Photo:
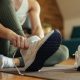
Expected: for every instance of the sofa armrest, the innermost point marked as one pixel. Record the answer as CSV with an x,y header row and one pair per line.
x,y
72,45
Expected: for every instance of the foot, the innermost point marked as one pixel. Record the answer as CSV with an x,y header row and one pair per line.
x,y
41,50
29,54
6,62
44,49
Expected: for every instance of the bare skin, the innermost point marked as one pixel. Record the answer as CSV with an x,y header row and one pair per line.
x,y
17,40
34,14
21,41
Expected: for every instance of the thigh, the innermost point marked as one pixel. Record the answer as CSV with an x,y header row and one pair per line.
x,y
60,55
8,17
4,47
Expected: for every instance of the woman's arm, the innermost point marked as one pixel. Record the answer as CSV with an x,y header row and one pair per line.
x,y
6,32
17,40
34,13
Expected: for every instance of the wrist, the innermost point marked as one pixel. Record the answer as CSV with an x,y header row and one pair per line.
x,y
11,35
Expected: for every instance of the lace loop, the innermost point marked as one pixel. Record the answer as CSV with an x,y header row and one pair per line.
x,y
19,72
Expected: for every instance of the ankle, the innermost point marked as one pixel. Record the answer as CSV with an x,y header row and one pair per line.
x,y
16,61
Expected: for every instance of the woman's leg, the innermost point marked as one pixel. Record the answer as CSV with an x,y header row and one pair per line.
x,y
8,19
7,62
60,55
39,51
42,50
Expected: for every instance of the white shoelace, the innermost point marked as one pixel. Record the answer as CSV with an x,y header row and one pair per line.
x,y
19,72
30,40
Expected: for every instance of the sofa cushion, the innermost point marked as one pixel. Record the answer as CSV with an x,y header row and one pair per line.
x,y
72,45
76,32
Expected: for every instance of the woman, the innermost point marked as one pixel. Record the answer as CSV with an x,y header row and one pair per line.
x,y
12,16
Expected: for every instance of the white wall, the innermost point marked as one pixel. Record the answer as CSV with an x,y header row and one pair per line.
x,y
68,26
70,10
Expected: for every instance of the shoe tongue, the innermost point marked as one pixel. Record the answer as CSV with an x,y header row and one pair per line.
x,y
33,39
79,48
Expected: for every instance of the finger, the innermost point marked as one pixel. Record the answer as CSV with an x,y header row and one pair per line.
x,y
18,41
14,43
22,42
26,44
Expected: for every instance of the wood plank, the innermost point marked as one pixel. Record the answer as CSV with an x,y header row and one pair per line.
x,y
68,62
6,76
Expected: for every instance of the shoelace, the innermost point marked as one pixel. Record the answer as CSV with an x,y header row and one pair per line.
x,y
19,72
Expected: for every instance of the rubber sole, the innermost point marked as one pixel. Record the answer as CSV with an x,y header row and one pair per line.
x,y
49,47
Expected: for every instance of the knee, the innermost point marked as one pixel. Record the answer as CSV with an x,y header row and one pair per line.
x,y
60,55
63,52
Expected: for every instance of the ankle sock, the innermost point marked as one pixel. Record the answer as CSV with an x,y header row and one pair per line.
x,y
6,62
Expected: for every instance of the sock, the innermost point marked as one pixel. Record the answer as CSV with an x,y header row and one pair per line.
x,y
6,62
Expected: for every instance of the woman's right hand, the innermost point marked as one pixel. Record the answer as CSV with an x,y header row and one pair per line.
x,y
17,40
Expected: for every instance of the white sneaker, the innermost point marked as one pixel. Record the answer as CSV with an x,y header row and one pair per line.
x,y
30,53
40,50
1,61
6,62
77,58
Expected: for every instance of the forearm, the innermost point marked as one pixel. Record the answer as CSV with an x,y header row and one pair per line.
x,y
7,33
4,32
38,31
35,19
15,39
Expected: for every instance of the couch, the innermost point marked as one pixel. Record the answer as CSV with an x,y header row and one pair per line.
x,y
74,41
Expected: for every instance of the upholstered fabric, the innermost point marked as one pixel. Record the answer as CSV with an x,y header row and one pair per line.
x,y
74,41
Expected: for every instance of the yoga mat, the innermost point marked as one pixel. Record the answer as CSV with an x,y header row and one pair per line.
x,y
58,72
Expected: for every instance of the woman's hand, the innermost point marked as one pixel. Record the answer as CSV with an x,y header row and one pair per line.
x,y
17,40
34,15
38,31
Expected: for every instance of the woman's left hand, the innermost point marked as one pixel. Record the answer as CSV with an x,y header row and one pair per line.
x,y
38,31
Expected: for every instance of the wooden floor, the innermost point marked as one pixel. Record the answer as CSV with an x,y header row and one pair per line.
x,y
6,76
